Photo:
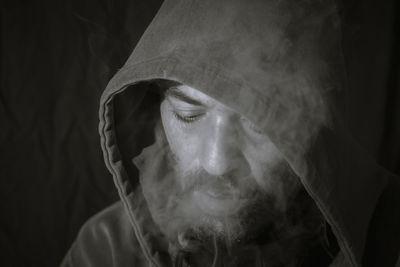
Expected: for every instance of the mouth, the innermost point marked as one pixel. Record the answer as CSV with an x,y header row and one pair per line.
x,y
219,200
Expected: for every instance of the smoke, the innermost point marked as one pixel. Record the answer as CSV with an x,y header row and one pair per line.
x,y
288,63
280,222
287,53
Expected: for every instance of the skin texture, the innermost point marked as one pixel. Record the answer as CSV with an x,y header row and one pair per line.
x,y
219,189
223,161
216,138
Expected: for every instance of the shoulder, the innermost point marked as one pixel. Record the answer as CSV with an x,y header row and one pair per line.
x,y
110,223
106,239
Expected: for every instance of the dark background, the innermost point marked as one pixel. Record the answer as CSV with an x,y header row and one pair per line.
x,y
56,59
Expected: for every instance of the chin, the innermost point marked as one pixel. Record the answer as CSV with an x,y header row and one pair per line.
x,y
228,231
228,221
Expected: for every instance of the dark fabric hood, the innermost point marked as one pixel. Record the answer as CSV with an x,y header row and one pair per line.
x,y
278,63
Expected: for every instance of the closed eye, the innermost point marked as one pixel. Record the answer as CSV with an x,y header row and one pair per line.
x,y
189,118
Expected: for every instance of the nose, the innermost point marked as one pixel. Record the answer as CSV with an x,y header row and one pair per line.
x,y
221,151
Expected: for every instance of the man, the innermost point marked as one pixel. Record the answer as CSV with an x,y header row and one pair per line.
x,y
223,134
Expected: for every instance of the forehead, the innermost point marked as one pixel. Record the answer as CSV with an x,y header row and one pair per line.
x,y
193,96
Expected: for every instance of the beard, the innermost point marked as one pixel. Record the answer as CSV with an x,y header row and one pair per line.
x,y
198,212
231,209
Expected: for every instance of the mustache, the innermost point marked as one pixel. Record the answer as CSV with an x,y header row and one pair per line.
x,y
243,186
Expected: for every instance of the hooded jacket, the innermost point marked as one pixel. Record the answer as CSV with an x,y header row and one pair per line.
x,y
278,63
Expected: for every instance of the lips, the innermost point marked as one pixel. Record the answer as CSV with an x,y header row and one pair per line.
x,y
217,199
219,190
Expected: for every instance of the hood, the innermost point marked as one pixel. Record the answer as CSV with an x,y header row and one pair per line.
x,y
278,63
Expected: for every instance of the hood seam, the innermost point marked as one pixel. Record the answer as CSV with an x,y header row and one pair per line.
x,y
143,244
125,78
222,75
337,229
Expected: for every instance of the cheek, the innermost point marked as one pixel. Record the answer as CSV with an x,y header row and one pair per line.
x,y
183,142
263,158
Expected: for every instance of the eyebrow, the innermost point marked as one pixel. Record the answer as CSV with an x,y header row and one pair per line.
x,y
178,94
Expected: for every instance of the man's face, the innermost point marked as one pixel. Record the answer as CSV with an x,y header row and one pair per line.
x,y
226,166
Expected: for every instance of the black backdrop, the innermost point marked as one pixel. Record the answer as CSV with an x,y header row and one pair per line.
x,y
56,58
